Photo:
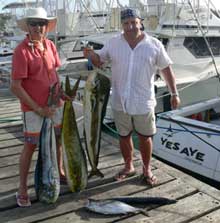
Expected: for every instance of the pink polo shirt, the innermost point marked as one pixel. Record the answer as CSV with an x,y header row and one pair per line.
x,y
37,75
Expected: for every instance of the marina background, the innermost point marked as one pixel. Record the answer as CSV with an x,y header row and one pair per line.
x,y
123,2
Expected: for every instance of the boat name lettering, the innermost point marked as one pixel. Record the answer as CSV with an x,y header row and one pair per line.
x,y
188,151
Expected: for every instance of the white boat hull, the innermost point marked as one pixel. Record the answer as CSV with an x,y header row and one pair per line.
x,y
188,143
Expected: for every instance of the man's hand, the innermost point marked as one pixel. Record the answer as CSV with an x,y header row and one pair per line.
x,y
66,97
91,55
46,111
88,52
174,101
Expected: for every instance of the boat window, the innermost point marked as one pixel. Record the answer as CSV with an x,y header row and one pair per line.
x,y
198,47
5,54
96,46
164,41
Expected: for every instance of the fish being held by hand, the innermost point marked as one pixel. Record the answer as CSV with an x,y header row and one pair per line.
x,y
47,180
73,154
96,93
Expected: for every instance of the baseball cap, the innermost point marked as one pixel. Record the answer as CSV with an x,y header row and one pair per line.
x,y
129,13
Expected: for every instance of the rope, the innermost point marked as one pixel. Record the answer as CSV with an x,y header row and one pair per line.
x,y
200,79
92,18
190,131
111,129
206,41
166,128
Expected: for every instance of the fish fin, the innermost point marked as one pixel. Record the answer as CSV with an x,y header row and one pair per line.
x,y
145,200
96,172
75,87
52,94
93,104
67,86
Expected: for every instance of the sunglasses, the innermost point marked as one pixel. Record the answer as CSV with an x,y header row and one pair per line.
x,y
37,23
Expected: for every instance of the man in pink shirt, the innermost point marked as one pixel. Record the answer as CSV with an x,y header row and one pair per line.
x,y
33,73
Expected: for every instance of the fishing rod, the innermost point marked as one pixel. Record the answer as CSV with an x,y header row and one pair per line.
x,y
205,39
86,8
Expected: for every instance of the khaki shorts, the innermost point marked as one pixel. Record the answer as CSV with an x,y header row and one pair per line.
x,y
143,124
32,124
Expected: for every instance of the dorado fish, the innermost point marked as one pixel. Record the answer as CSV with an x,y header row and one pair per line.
x,y
96,93
110,207
74,157
47,180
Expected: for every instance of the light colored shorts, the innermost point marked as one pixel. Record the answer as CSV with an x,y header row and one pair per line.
x,y
32,124
143,124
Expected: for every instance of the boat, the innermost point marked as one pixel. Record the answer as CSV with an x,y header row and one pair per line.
x,y
190,34
188,30
8,43
189,138
79,21
6,53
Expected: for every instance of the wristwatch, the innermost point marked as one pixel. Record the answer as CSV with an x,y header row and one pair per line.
x,y
174,94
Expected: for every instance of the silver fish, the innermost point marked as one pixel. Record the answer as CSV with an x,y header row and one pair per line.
x,y
74,157
110,207
96,93
47,180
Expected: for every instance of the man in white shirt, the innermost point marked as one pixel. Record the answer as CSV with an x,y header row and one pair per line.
x,y
135,58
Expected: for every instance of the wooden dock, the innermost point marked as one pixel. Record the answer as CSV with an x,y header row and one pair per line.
x,y
197,202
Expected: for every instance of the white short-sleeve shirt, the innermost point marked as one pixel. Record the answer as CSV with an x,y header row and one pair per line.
x,y
133,72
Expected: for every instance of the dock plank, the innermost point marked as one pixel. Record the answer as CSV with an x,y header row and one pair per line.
x,y
79,213
184,210
8,151
13,142
11,129
77,202
7,136
213,217
196,201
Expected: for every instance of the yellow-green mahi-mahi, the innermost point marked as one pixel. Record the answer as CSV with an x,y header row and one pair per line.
x,y
96,93
74,157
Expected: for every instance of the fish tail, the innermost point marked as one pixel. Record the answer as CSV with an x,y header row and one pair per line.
x,y
171,201
75,87
144,212
96,172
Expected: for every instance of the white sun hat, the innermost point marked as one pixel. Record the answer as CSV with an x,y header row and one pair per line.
x,y
36,13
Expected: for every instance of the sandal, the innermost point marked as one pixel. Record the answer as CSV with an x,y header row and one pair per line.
x,y
149,180
123,174
22,200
